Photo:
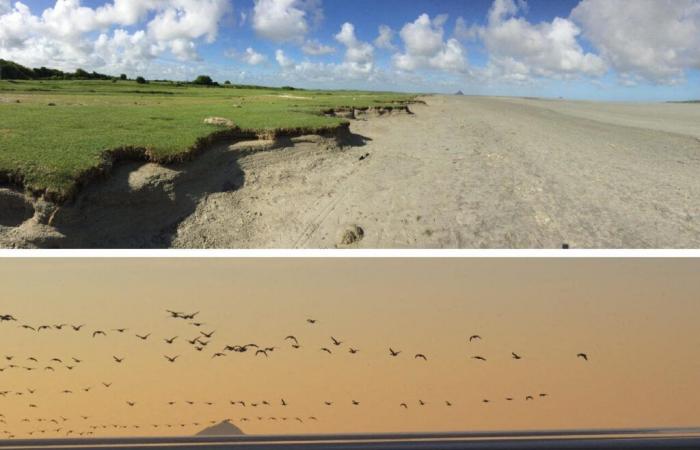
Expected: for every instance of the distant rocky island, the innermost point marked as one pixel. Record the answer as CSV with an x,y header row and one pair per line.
x,y
225,428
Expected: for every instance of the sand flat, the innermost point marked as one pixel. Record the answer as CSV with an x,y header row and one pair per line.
x,y
475,172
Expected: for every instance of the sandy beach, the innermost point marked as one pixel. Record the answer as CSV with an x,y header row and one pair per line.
x,y
460,172
476,173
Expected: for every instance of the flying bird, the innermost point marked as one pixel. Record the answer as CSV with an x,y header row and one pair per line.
x,y
335,341
292,338
474,337
392,352
171,358
516,356
582,355
480,358
77,327
421,356
98,333
130,403
118,360
261,352
144,337
353,350
403,405
327,350
207,335
355,403
171,340
311,321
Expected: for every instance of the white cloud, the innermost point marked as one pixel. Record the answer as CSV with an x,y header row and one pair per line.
x,y
463,32
425,47
284,20
284,61
253,58
69,35
358,62
519,50
385,38
652,40
5,6
315,48
359,56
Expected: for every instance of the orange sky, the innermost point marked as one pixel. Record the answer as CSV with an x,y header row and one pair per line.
x,y
637,320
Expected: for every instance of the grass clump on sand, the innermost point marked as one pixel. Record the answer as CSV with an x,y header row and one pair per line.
x,y
53,132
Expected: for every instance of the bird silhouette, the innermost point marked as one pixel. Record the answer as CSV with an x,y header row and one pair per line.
x,y
218,355
98,333
311,321
403,405
171,340
421,402
516,356
582,355
262,352
283,403
420,356
130,403
144,337
529,397
292,338
480,358
335,341
353,350
171,359
474,337
448,403
107,385
327,350
328,403
392,352
120,330
118,360
355,403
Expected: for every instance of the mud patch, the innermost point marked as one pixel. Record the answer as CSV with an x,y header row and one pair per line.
x,y
351,235
15,208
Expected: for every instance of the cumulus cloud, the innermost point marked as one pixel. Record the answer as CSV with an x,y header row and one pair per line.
x,y
5,6
385,38
359,56
315,48
357,64
69,35
463,32
520,50
284,61
285,20
652,40
425,47
252,57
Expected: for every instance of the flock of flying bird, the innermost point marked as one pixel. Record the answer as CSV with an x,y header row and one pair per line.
x,y
198,343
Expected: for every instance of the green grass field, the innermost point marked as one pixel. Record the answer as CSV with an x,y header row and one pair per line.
x,y
49,147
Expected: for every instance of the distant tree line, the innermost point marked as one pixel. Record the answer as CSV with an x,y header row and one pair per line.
x,y
10,70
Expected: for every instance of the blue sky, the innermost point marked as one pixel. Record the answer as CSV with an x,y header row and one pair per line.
x,y
635,50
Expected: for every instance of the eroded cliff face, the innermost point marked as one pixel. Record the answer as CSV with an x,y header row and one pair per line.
x,y
139,204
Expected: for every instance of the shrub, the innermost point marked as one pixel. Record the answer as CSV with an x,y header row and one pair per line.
x,y
141,80
203,80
